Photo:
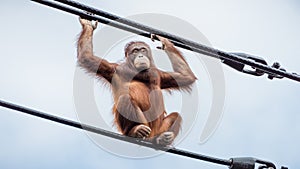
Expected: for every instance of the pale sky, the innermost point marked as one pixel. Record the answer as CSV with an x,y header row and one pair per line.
x,y
38,61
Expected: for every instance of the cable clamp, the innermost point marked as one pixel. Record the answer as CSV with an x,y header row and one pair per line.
x,y
249,163
253,71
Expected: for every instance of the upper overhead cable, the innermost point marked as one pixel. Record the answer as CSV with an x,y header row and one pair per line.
x,y
231,59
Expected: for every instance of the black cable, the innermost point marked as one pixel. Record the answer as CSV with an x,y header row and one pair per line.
x,y
192,44
112,134
183,43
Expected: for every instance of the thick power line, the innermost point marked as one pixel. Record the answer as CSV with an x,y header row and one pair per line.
x,y
231,59
233,163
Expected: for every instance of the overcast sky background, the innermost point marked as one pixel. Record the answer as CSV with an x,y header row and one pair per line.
x,y
38,61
